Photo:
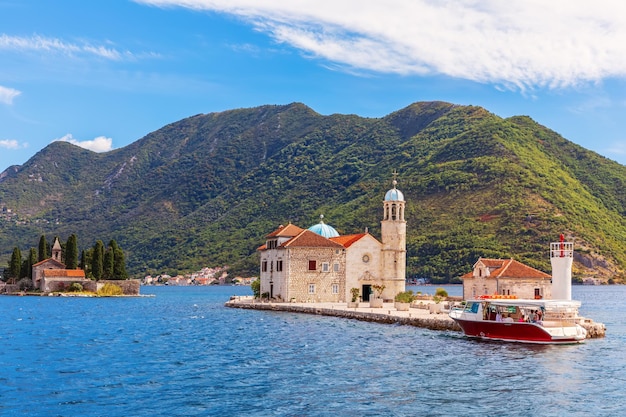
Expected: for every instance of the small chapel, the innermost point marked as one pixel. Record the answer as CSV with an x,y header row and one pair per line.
x,y
51,274
320,265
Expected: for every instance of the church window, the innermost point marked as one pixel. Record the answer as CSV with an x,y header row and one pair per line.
x,y
311,288
264,266
335,288
325,267
279,266
336,267
366,258
312,265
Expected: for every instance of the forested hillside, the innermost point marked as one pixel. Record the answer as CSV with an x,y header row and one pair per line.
x,y
207,189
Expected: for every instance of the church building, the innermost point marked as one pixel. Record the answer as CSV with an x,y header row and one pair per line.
x,y
51,275
319,265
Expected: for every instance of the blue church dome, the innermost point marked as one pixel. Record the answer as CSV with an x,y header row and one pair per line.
x,y
324,229
394,194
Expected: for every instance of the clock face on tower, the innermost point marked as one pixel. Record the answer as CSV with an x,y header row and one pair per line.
x,y
366,258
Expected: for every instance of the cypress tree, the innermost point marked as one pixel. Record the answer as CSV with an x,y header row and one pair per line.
x,y
71,252
32,260
107,264
119,268
81,264
97,259
15,265
43,249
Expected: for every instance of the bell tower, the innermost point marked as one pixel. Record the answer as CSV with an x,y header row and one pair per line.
x,y
393,237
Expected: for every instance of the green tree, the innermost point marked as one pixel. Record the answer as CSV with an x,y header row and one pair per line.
x,y
43,249
97,260
119,267
82,263
71,252
107,264
32,260
15,265
255,286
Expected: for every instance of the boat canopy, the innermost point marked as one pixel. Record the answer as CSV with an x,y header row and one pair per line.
x,y
536,303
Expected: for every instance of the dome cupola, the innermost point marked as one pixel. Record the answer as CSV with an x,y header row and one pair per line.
x,y
324,229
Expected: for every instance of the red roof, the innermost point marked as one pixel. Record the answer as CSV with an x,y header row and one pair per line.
x,y
51,260
347,240
311,239
70,273
508,268
289,231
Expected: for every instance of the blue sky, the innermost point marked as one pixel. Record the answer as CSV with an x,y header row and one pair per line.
x,y
104,73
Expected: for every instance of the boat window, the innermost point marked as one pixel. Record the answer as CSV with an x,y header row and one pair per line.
x,y
473,307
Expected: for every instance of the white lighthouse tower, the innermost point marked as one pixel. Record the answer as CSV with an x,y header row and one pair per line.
x,y
561,257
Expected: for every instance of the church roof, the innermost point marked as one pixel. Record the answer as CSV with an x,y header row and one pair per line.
x,y
347,240
311,239
69,273
51,261
508,268
394,194
324,229
290,230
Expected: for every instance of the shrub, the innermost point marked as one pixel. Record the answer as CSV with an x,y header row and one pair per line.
x,y
355,294
75,287
404,297
109,289
441,292
255,286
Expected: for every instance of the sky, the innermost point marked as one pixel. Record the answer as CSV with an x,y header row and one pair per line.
x,y
104,73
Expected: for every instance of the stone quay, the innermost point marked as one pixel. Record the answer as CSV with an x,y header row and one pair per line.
x,y
421,314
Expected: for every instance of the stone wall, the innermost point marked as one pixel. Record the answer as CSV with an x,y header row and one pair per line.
x,y
300,277
129,286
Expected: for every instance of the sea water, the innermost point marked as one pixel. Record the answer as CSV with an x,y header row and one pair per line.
x,y
182,353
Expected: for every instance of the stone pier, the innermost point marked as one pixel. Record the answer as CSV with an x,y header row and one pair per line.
x,y
419,315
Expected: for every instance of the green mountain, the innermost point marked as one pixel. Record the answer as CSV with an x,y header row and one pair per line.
x,y
207,189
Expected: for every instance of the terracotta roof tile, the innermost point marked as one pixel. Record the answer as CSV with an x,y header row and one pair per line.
x,y
54,261
347,240
308,238
509,268
70,273
289,231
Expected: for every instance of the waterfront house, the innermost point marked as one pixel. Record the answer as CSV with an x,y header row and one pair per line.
x,y
506,277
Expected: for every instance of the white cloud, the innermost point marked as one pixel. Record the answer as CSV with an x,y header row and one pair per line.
x,y
12,144
524,44
617,148
8,94
42,44
99,144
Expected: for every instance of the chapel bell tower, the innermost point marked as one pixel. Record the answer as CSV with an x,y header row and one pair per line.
x,y
393,236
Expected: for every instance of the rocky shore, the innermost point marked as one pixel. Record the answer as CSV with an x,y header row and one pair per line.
x,y
419,315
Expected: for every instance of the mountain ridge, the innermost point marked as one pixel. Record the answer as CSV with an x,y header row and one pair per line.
x,y
206,189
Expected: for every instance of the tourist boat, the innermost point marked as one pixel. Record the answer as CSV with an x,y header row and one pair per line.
x,y
518,320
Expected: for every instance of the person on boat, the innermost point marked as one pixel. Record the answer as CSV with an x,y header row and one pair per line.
x,y
498,316
508,319
532,317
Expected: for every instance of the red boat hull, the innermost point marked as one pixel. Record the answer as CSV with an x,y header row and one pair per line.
x,y
513,332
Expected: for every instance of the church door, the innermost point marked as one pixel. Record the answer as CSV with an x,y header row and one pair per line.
x,y
366,290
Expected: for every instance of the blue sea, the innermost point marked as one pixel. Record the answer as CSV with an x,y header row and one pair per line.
x,y
182,353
